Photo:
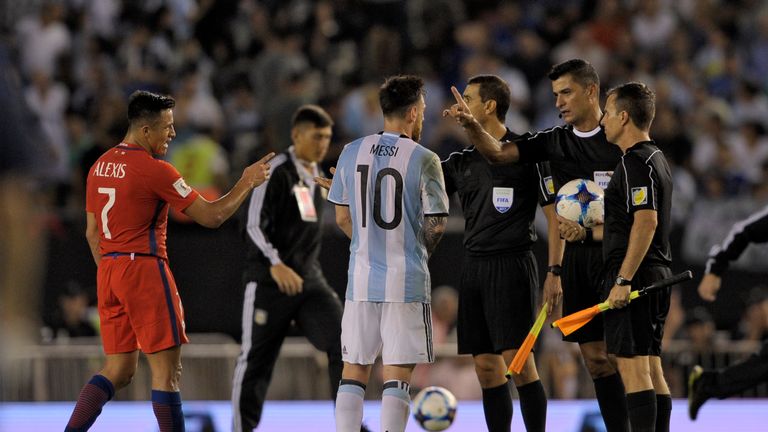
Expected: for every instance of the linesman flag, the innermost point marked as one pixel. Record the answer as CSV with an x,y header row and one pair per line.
x,y
570,323
522,353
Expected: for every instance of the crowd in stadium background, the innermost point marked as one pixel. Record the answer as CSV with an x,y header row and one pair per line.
x,y
239,68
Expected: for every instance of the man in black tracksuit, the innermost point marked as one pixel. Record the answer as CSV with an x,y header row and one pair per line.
x,y
577,150
499,274
705,384
283,279
637,253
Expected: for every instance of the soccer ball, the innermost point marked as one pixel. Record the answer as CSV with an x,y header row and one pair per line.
x,y
434,408
581,201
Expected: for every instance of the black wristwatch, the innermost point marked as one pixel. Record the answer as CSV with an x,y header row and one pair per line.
x,y
555,269
620,281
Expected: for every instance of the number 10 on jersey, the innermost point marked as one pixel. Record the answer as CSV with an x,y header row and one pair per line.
x,y
378,203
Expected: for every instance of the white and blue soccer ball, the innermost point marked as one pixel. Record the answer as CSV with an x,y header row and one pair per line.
x,y
581,201
434,408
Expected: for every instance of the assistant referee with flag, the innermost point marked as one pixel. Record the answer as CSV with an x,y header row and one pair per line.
x,y
636,253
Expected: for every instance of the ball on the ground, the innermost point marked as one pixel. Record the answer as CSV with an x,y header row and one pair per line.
x,y
434,408
581,201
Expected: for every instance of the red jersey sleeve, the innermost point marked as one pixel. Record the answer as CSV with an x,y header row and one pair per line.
x,y
168,183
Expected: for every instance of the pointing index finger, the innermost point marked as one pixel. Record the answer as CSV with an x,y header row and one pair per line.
x,y
267,158
459,98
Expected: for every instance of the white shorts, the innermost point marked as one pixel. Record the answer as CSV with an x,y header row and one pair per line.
x,y
401,332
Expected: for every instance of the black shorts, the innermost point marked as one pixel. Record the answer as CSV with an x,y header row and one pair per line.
x,y
582,264
496,301
637,329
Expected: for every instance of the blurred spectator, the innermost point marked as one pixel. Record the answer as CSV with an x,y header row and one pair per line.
x,y
652,25
754,322
700,329
42,39
74,317
582,45
750,150
48,100
750,104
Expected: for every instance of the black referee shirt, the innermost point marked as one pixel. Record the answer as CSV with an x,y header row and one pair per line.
x,y
753,229
273,228
642,181
571,154
498,201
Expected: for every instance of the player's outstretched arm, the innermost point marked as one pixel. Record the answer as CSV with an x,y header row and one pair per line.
x,y
487,145
212,214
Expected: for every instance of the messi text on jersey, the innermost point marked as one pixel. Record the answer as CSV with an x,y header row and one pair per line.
x,y
384,150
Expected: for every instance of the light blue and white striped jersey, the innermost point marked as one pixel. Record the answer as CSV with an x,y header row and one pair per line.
x,y
390,183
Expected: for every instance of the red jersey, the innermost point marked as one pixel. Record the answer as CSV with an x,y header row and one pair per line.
x,y
128,191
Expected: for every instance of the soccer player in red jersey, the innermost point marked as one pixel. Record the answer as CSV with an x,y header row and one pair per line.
x,y
129,191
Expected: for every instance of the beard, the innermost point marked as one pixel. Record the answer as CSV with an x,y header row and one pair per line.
x,y
417,132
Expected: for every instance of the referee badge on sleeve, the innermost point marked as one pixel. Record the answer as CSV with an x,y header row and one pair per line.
x,y
502,198
639,195
550,185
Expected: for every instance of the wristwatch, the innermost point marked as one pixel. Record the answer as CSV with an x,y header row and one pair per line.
x,y
555,269
620,281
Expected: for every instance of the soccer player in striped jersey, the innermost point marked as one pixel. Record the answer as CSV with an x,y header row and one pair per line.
x,y
391,202
128,194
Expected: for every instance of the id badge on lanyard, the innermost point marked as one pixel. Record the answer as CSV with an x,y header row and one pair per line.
x,y
305,203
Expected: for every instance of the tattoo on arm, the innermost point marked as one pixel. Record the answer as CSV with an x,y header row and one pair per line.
x,y
434,228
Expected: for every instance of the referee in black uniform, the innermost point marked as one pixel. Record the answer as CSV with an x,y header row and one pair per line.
x,y
705,384
577,150
283,279
499,274
637,253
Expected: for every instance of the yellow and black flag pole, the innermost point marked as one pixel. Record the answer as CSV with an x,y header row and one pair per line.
x,y
570,323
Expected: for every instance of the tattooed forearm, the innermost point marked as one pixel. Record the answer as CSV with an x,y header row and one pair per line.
x,y
434,228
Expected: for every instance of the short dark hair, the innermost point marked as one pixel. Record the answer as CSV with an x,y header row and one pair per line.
x,y
311,114
493,87
144,105
638,101
398,93
582,71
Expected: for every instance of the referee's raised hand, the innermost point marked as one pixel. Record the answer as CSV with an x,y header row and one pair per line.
x,y
460,110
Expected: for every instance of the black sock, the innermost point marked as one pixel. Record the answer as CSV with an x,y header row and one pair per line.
x,y
642,410
533,405
497,406
663,412
613,404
